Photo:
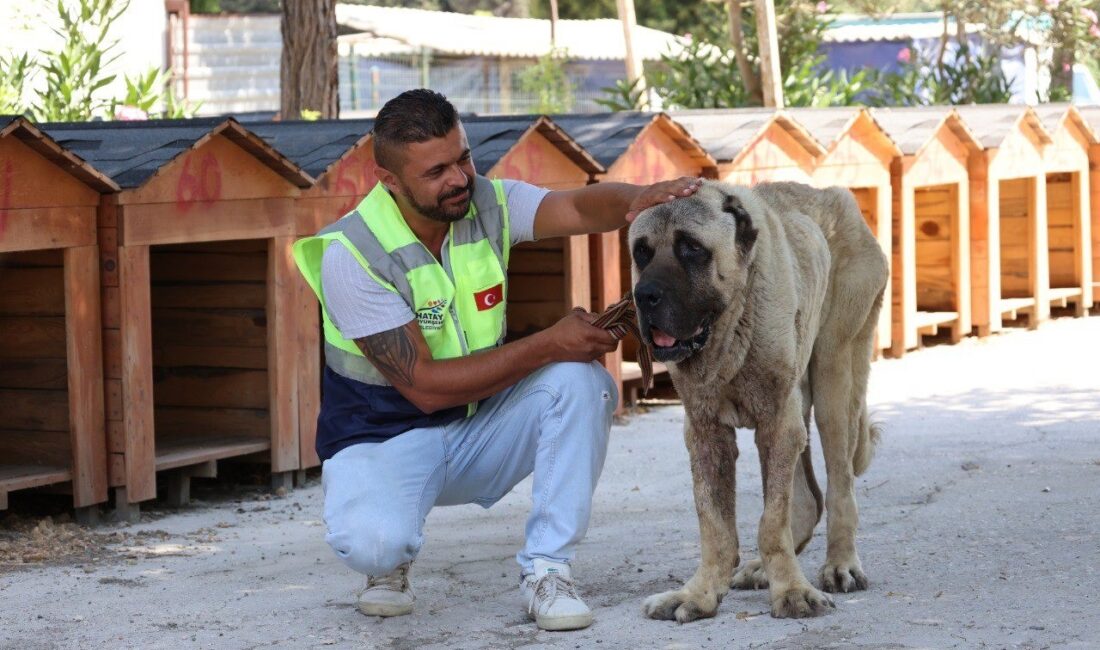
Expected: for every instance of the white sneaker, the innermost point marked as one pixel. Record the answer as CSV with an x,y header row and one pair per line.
x,y
388,595
551,599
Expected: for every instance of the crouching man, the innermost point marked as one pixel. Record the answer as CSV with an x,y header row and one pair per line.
x,y
423,403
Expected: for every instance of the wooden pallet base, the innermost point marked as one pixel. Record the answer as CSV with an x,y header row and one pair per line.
x,y
22,477
928,323
632,378
1013,308
1063,297
183,451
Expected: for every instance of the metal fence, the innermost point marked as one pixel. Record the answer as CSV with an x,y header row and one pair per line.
x,y
472,84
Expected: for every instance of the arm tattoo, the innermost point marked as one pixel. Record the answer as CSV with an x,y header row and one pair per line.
x,y
392,352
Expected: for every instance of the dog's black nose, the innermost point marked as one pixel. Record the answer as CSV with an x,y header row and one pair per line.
x,y
648,294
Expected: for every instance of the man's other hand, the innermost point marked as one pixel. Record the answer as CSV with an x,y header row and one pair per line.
x,y
663,192
575,338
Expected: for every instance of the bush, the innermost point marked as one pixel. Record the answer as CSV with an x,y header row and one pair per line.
x,y
74,73
973,77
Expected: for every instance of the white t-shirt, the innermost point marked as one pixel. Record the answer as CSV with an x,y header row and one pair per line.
x,y
359,306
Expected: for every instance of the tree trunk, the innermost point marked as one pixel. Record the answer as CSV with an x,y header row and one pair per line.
x,y
737,39
308,74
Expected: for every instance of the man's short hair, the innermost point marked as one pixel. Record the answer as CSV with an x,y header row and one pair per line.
x,y
413,116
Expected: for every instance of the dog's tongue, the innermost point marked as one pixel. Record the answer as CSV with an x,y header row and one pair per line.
x,y
662,340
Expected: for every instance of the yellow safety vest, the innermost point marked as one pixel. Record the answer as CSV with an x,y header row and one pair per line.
x,y
459,303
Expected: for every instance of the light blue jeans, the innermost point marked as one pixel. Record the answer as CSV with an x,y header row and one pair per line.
x,y
555,422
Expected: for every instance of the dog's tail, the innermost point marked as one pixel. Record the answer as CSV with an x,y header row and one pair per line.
x,y
868,433
866,441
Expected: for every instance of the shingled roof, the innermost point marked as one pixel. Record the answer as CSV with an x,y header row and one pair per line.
x,y
20,128
991,123
314,146
133,152
1091,115
912,128
607,136
725,133
492,137
1052,116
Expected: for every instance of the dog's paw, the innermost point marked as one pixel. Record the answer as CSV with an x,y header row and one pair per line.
x,y
843,577
750,576
679,606
800,602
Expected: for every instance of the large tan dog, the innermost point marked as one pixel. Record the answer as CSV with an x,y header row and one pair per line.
x,y
763,302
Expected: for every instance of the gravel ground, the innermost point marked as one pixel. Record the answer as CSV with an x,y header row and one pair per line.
x,y
979,529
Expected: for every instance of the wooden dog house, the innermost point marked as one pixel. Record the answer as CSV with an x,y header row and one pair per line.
x,y
1092,118
51,382
930,261
639,148
1069,228
545,278
1008,216
754,145
339,155
858,155
200,348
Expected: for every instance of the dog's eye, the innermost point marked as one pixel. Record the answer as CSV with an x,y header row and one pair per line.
x,y
688,248
642,254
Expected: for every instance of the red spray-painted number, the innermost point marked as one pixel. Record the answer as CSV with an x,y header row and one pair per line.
x,y
200,182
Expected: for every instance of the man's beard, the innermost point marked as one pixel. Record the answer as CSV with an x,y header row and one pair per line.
x,y
438,212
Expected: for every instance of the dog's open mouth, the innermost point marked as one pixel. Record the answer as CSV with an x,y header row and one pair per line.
x,y
669,348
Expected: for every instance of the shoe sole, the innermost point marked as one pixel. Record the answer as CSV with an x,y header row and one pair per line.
x,y
563,623
385,611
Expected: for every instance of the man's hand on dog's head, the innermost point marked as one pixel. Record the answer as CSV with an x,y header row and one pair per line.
x,y
663,192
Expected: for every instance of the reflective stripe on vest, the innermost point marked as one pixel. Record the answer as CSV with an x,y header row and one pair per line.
x,y
459,304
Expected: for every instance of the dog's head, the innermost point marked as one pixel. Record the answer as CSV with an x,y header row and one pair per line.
x,y
691,260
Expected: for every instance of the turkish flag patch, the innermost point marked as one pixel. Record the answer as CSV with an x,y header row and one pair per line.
x,y
489,298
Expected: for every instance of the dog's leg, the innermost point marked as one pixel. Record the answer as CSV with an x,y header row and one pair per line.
x,y
713,452
838,413
806,507
781,444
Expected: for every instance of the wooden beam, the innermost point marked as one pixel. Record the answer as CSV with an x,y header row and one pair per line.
x,y
1083,252
85,369
884,203
578,285
137,373
960,260
40,228
605,255
282,347
310,362
1039,250
985,247
167,223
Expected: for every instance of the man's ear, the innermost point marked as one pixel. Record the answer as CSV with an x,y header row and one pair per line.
x,y
388,178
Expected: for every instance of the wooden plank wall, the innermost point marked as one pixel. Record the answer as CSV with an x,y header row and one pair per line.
x,y
1094,208
936,289
1015,201
536,298
1062,231
33,360
867,201
210,353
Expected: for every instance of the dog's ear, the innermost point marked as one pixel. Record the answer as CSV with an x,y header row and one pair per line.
x,y
745,234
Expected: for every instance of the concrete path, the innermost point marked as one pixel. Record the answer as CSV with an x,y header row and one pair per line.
x,y
980,528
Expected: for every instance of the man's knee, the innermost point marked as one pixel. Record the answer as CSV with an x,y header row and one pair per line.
x,y
584,380
375,545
